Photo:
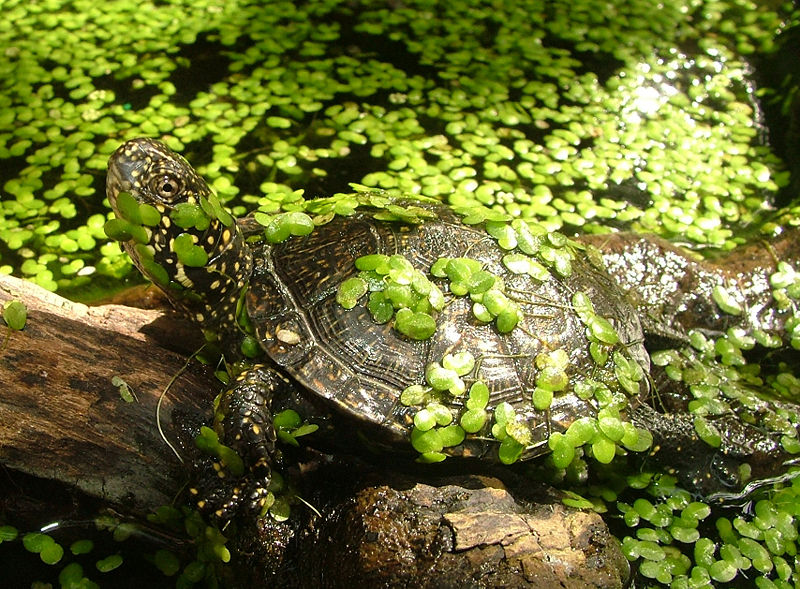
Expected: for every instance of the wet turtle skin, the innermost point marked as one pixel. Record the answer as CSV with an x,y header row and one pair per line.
x,y
341,358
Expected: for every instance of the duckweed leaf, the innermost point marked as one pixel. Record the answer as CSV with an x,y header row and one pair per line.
x,y
602,329
583,306
519,431
188,253
707,432
426,441
288,419
604,450
510,450
473,420
377,262
208,442
49,551
574,500
8,533
414,395
452,435
284,225
128,208
507,319
379,307
417,326
250,347
424,420
636,439
431,457
462,362
149,215
542,398
122,230
350,291
722,571
72,576
125,390
562,448
15,315
188,215
109,563
441,378
478,396
504,234
727,303
81,547
480,281
35,542
215,209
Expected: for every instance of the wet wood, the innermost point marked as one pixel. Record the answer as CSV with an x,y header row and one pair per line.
x,y
62,418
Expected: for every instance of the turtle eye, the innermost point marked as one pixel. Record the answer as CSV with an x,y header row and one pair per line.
x,y
167,187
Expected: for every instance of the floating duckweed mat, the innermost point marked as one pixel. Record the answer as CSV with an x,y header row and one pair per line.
x,y
584,115
580,116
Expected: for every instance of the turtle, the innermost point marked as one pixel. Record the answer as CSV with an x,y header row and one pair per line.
x,y
429,331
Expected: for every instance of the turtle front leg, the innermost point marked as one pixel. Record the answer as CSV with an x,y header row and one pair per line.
x,y
243,422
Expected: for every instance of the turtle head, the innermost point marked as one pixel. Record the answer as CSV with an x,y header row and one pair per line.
x,y
176,231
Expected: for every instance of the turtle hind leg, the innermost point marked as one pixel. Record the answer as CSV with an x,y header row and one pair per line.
x,y
243,422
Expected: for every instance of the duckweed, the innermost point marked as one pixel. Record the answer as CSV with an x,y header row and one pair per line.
x,y
486,290
726,301
289,426
285,225
396,290
208,441
15,315
48,549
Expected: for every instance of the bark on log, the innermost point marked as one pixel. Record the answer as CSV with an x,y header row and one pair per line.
x,y
62,418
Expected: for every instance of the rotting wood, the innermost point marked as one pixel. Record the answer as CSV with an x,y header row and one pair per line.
x,y
62,418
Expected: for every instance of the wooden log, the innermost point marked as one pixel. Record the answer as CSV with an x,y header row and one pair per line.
x,y
62,417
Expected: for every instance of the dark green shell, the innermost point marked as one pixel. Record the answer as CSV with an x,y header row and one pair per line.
x,y
362,367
